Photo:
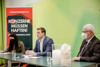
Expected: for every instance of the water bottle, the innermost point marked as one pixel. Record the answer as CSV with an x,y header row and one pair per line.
x,y
14,54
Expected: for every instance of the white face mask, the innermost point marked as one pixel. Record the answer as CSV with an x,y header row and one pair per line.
x,y
83,35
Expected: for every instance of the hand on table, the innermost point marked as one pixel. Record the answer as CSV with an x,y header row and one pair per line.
x,y
30,52
33,53
76,59
1,51
27,52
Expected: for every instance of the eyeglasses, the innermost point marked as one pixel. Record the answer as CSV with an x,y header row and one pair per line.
x,y
85,31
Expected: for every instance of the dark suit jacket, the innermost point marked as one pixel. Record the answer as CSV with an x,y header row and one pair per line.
x,y
47,46
92,51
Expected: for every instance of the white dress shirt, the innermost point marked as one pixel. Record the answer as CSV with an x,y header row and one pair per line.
x,y
41,44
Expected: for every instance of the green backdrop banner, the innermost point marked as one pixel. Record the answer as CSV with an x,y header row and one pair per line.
x,y
64,19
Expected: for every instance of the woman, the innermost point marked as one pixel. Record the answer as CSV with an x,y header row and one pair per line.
x,y
15,44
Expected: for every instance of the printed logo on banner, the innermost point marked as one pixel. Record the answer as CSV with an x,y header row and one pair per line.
x,y
12,21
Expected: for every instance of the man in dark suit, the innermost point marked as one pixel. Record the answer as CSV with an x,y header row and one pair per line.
x,y
43,44
90,48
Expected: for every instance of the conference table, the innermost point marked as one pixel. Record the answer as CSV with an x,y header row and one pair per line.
x,y
40,61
